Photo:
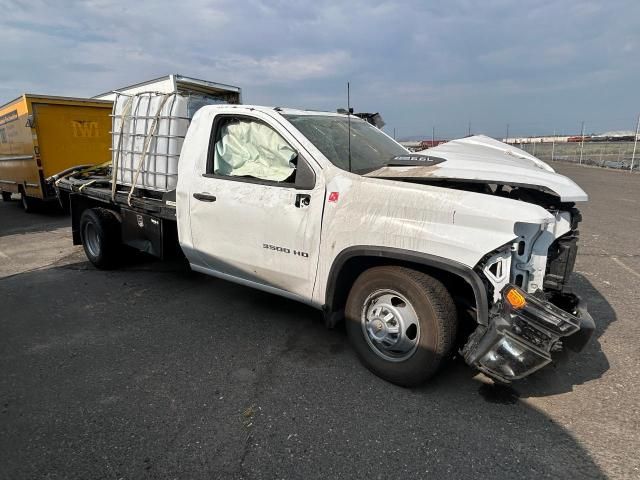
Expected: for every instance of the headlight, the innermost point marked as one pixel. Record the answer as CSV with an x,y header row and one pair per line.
x,y
511,359
540,312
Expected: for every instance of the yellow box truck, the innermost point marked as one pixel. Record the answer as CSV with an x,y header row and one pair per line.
x,y
42,135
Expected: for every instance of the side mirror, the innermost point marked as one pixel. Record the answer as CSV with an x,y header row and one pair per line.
x,y
305,176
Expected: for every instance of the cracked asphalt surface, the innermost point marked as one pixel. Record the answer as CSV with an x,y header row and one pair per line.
x,y
154,371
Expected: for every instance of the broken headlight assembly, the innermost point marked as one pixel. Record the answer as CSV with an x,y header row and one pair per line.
x,y
521,335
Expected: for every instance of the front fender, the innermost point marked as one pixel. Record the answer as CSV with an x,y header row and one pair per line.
x,y
450,224
456,268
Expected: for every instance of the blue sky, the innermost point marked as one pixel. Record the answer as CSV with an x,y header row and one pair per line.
x,y
538,65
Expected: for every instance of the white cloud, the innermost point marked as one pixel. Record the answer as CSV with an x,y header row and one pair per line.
x,y
443,57
283,68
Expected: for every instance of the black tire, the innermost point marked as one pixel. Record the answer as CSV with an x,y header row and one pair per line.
x,y
6,196
436,316
29,204
100,234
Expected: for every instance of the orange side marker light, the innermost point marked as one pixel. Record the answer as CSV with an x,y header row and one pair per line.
x,y
515,298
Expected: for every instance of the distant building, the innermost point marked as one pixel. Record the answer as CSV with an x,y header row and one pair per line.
x,y
414,146
579,138
417,145
615,136
431,143
545,139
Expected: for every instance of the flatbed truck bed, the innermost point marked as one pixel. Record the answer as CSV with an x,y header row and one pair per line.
x,y
148,219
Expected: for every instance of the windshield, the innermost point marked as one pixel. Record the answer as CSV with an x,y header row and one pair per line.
x,y
370,148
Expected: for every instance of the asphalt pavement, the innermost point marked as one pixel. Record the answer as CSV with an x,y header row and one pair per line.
x,y
154,371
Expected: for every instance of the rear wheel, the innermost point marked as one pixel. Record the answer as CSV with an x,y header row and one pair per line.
x,y
401,323
100,234
6,196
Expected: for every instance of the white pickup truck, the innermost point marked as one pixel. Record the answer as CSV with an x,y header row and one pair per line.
x,y
465,247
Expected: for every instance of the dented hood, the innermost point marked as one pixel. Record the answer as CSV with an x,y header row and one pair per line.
x,y
483,159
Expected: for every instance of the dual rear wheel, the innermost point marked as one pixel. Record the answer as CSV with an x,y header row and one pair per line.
x,y
101,238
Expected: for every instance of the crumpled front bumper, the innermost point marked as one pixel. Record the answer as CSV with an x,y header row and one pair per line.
x,y
519,341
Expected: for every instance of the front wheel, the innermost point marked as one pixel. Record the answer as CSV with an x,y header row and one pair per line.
x,y
100,234
401,323
6,196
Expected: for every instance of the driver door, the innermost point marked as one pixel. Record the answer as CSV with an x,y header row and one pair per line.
x,y
256,209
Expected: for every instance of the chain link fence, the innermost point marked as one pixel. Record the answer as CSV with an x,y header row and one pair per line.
x,y
602,154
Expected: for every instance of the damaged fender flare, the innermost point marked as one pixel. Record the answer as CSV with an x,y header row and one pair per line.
x,y
451,266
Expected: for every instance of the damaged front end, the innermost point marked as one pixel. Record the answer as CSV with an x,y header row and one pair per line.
x,y
532,313
523,333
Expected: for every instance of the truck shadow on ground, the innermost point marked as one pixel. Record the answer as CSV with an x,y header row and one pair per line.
x,y
177,359
567,370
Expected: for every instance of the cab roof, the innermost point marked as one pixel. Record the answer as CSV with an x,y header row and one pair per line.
x,y
286,110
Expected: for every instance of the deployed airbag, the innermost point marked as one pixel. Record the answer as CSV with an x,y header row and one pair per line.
x,y
248,148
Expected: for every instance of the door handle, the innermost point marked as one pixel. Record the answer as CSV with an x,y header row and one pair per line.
x,y
204,197
303,200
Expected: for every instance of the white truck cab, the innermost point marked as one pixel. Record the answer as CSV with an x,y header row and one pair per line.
x,y
467,246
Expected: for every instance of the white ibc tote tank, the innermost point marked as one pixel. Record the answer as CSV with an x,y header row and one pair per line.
x,y
147,134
